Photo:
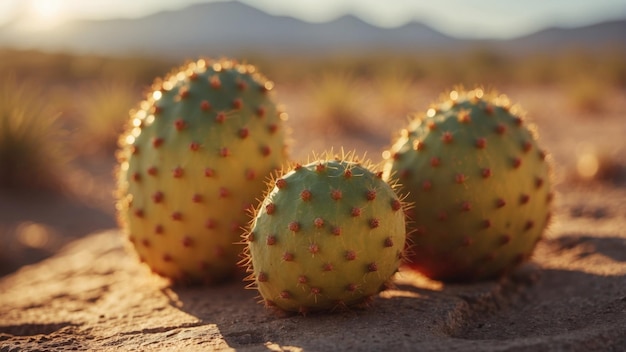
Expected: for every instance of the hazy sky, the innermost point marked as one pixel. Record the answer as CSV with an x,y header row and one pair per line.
x,y
466,18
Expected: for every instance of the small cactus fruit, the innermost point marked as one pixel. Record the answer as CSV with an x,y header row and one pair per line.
x,y
479,183
193,160
328,234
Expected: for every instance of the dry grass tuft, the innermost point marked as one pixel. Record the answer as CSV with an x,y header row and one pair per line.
x,y
32,154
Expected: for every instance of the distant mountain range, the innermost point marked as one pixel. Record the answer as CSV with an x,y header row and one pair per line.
x,y
232,28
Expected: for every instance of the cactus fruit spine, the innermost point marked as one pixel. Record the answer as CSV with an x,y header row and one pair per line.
x,y
328,234
195,156
479,183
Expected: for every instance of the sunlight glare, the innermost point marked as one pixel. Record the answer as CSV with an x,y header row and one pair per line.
x,y
44,14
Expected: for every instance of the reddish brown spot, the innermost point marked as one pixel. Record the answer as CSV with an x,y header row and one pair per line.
x,y
205,106
262,277
237,104
208,172
466,206
294,226
177,172
272,128
157,197
224,152
193,76
538,182
284,295
260,111
167,258
197,198
314,248
158,229
327,267
243,133
486,224
500,203
139,213
315,291
374,223
152,171
134,150
136,177
336,230
481,143
435,161
371,267
183,93
215,82
404,174
305,195
396,205
194,146
318,222
145,242
224,192
210,224
250,174
302,279
529,225
500,128
549,197
320,167
270,209
486,172
336,194
446,137
180,124
251,237
504,239
347,173
177,216
519,258
527,146
489,109
350,255
157,109
518,121
524,198
281,183
220,117
187,241
266,150
241,85
157,142
388,242
351,287
542,155
431,125
419,145
517,162
271,240
427,185
459,178
288,257
489,257
355,212
442,216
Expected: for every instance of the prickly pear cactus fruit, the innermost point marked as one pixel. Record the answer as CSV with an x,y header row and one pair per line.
x,y
194,158
328,234
480,185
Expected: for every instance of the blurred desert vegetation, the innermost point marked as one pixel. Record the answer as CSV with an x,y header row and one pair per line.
x,y
57,109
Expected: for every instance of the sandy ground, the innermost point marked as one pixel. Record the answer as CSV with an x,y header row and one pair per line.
x,y
84,291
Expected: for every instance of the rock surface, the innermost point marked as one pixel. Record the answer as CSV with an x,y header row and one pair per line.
x,y
94,295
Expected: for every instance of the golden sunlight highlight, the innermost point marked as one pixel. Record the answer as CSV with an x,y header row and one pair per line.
x,y
45,14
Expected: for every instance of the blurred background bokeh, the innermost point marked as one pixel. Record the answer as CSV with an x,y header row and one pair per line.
x,y
348,72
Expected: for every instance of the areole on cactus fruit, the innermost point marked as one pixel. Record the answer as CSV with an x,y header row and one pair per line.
x,y
328,234
193,160
480,186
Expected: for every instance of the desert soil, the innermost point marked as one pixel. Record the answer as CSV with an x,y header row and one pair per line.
x,y
71,284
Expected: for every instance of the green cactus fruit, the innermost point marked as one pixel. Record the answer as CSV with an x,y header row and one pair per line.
x,y
328,234
479,183
195,156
